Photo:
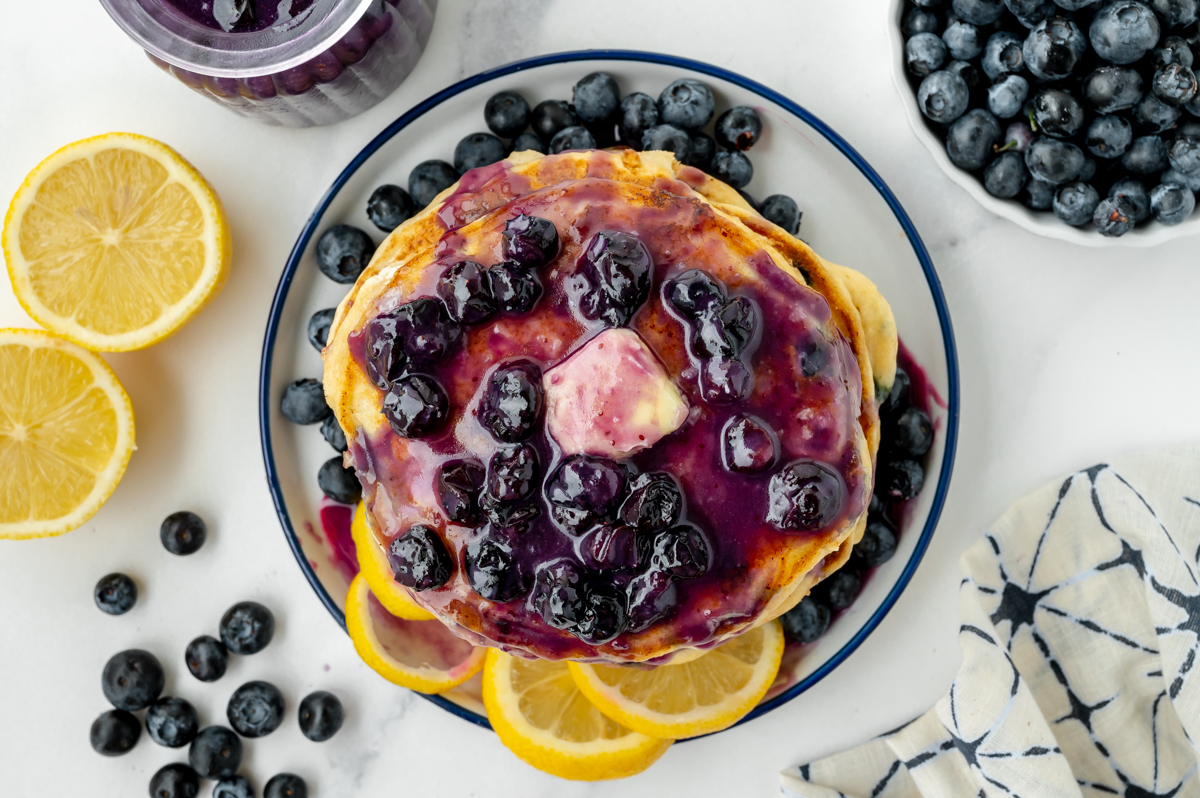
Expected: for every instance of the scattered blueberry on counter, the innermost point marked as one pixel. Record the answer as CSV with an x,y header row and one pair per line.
x,y
115,732
286,785
215,753
321,715
132,679
233,787
255,709
115,594
183,533
206,658
175,781
1113,79
247,627
172,722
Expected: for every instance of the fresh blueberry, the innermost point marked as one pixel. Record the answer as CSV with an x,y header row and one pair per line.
x,y
911,434
1184,155
653,504
877,546
559,593
594,485
1109,136
331,430
512,402
682,551
235,786
172,722
978,12
604,614
115,732
459,483
1171,203
205,658
1174,84
320,715
971,75
1075,5
782,210
1110,89
840,589
1031,13
686,103
132,679
339,482
732,167
807,621
389,207
1075,203
1054,48
303,402
530,241
549,117
184,532
1114,217
1147,155
963,40
943,97
804,496
1057,113
506,114
693,293
428,179
494,567
175,781
285,785
616,268
528,141
512,474
927,3
1006,97
476,150
701,149
1176,13
1134,191
1088,171
1190,181
724,381
918,20
115,594
596,97
1173,50
575,137
900,480
749,445
1123,31
318,327
343,252
466,293
416,406
651,597
1005,176
247,627
924,54
970,139
639,113
609,547
1039,194
1053,161
738,128
670,139
1017,137
1152,115
515,289
216,753
255,709
419,559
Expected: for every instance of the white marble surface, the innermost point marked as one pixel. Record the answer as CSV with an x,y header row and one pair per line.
x,y
1068,356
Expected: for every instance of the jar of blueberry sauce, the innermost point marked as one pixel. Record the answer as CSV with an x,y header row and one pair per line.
x,y
283,62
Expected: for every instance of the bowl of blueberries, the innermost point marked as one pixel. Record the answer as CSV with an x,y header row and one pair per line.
x,y
1076,119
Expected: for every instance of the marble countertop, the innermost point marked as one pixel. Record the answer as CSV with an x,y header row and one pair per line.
x,y
1068,356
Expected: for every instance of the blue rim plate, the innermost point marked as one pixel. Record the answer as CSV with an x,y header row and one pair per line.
x,y
949,431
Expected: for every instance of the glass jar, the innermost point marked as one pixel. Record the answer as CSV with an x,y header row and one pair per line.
x,y
301,63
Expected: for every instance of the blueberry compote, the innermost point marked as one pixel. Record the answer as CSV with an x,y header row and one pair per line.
x,y
586,553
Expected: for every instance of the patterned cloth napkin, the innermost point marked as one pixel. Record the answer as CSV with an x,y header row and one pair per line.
x,y
1080,633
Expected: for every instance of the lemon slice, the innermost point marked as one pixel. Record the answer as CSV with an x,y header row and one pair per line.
x,y
66,433
421,655
115,241
707,694
540,714
374,566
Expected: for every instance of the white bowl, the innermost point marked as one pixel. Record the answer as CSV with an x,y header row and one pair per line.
x,y
1043,223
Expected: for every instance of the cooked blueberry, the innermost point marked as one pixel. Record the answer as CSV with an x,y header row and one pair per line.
x,y
419,559
877,546
1173,50
1112,89
549,117
970,139
1174,84
897,396
943,96
530,241
115,732
1039,194
1109,136
476,150
459,484
343,252
1152,115
900,479
732,167
1075,203
234,14
738,128
1006,97
515,289
924,54
596,97
1147,155
175,781
115,594
729,332
807,621
320,715
216,753
509,514
303,402
1171,203
639,113
604,614
686,103
506,114
651,597
389,207
749,445
1056,113
1006,175
1031,13
1114,216
1134,191
840,589
236,786
574,137
918,20
1003,55
466,293
512,474
682,551
724,381
512,402
594,485
255,709
617,268
339,482
494,568
1053,49
559,593
701,149
331,430
285,785
205,658
782,210
694,292
529,141
668,138
1176,13
1123,31
428,179
609,547
247,628
813,356
1053,161
132,679
172,722
654,502
978,12
804,496
416,406
964,41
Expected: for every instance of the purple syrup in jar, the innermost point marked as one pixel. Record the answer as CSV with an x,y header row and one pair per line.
x,y
243,16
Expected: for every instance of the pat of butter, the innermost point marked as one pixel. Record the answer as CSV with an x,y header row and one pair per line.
x,y
612,397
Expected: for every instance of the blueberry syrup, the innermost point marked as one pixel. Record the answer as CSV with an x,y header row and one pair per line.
x,y
335,525
242,16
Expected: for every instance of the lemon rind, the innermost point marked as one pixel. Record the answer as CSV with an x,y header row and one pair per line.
x,y
373,565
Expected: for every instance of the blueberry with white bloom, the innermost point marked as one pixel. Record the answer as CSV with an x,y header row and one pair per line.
x,y
1006,97
1031,13
1184,155
970,139
943,96
1152,115
1054,48
1190,182
963,40
1075,203
1039,194
924,53
1003,54
1006,176
1139,198
1176,13
978,12
1147,155
1110,89
1053,161
1109,136
1171,204
1123,31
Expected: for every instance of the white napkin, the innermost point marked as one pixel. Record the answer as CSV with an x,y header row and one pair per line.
x,y
1080,635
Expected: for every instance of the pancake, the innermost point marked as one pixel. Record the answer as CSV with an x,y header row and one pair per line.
x,y
823,351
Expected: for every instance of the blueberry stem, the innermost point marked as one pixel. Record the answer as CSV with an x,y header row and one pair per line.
x,y
1008,145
